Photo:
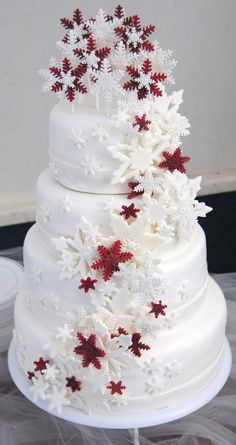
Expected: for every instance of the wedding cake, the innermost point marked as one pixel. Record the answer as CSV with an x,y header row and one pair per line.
x,y
118,311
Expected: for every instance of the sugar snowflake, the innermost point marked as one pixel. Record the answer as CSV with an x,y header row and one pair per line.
x,y
154,384
101,133
106,81
77,137
36,274
75,254
65,204
90,165
58,399
46,212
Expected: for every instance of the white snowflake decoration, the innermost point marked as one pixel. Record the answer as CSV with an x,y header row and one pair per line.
x,y
58,399
154,384
46,212
39,388
90,165
64,333
106,82
103,29
51,372
76,254
101,133
78,138
185,290
65,204
36,274
172,368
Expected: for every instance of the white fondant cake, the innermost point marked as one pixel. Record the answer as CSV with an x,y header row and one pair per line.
x,y
118,310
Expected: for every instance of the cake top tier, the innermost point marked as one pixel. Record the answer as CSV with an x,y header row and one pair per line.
x,y
115,120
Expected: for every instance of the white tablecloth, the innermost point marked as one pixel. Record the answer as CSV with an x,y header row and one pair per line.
x,y
22,423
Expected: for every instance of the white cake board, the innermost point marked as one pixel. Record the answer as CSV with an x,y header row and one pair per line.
x,y
127,421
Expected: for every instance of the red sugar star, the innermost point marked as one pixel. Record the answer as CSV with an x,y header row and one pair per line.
x,y
137,346
110,259
116,388
129,211
174,161
41,365
158,309
132,25
88,349
142,123
76,79
74,384
144,80
120,331
30,375
132,194
87,284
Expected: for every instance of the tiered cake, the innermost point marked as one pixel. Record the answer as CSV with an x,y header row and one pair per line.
x,y
118,310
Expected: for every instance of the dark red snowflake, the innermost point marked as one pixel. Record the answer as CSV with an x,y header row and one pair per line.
x,y
41,365
137,346
129,211
120,331
134,36
110,259
69,79
87,284
30,375
74,384
116,388
75,22
132,194
88,349
144,80
142,123
174,161
119,12
158,309
91,49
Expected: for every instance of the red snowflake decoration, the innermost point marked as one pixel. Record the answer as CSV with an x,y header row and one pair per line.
x,y
142,123
174,161
91,49
30,375
129,211
110,259
69,79
119,12
137,346
133,35
88,349
144,81
116,388
41,365
120,331
132,194
75,22
74,384
87,284
158,309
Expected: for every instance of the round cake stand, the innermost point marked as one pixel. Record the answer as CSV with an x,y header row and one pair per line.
x,y
129,421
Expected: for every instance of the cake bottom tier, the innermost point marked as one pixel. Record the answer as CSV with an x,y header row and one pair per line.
x,y
177,366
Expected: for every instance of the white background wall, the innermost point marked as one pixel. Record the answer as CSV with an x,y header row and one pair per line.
x,y
202,34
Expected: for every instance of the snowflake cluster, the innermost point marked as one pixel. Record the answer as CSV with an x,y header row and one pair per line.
x,y
98,55
154,128
158,373
171,203
82,368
